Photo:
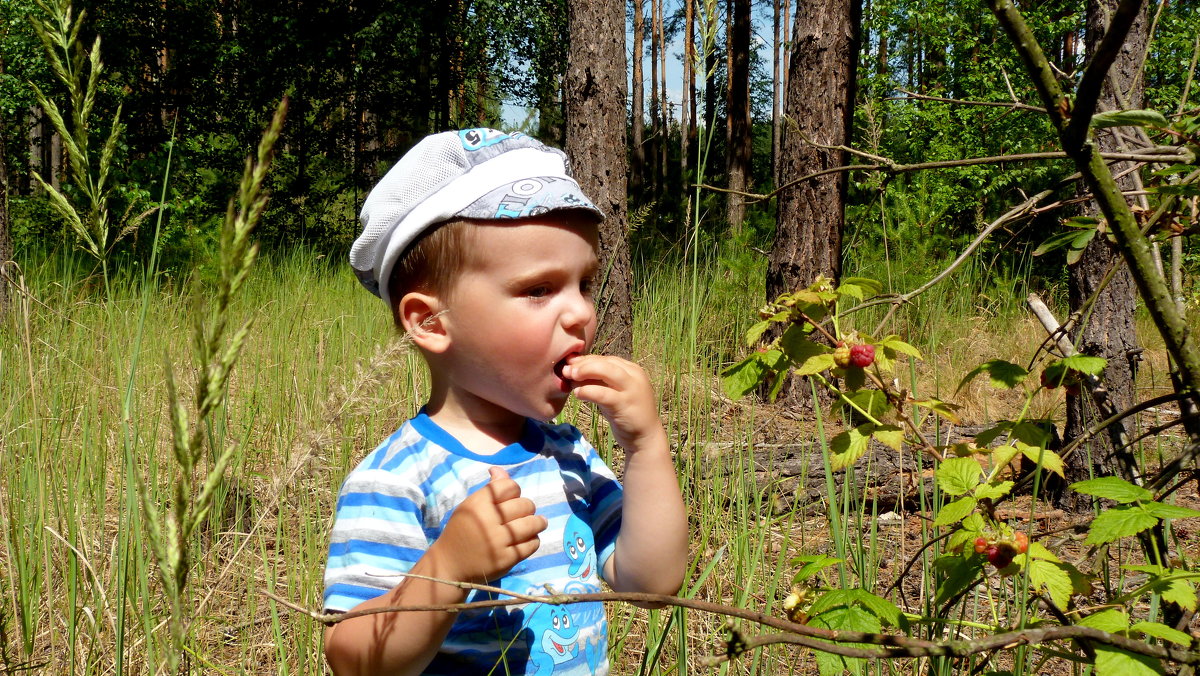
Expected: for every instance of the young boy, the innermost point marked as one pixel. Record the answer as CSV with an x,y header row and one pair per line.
x,y
484,247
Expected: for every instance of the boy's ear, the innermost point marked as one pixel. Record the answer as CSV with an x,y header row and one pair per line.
x,y
420,315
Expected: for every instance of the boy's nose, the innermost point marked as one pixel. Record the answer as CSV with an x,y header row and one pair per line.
x,y
579,312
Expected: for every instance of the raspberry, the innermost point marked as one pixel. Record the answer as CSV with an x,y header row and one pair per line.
x,y
1000,555
1047,382
981,545
1022,542
862,356
841,355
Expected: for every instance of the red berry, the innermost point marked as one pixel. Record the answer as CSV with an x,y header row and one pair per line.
x,y
841,355
1000,555
862,356
1022,541
1047,382
981,545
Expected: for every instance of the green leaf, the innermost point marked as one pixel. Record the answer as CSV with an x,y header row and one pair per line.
x,y
813,564
1038,551
1052,578
1162,631
815,364
1031,433
958,475
1113,488
1078,245
1049,460
1083,363
939,407
1179,592
1112,620
873,402
797,345
893,342
993,491
1002,374
986,437
1129,118
1165,511
889,435
863,285
755,332
960,573
743,377
953,512
1001,457
848,446
843,618
1112,661
1118,522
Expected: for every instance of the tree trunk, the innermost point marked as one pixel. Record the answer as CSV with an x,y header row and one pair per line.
x,y
738,152
655,133
664,147
820,102
638,123
776,89
1109,331
686,120
595,99
6,248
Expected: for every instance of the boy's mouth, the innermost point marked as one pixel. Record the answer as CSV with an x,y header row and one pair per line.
x,y
558,370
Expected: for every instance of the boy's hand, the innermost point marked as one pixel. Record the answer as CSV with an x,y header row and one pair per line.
x,y
622,391
491,531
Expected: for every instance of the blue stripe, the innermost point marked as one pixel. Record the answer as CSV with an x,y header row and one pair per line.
x,y
380,550
362,502
344,597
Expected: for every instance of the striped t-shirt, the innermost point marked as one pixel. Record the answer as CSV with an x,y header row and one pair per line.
x,y
398,500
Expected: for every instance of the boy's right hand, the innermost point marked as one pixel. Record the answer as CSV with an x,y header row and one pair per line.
x,y
491,531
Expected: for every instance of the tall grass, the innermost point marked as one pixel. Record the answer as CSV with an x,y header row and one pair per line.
x,y
320,382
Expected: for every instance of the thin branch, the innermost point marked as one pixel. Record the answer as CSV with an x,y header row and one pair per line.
x,y
991,104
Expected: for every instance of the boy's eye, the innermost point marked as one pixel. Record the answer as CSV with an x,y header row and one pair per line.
x,y
585,287
538,292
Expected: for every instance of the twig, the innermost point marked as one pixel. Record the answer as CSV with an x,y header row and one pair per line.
x,y
992,104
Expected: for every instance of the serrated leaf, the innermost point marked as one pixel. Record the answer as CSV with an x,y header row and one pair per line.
x,y
1181,593
960,573
1129,118
1038,551
868,285
986,437
743,377
755,332
1165,511
812,565
1162,631
798,346
815,364
893,342
939,407
958,475
1112,620
1031,433
1053,579
848,446
889,435
1113,488
993,491
1083,363
1001,457
1049,460
1118,522
843,618
1116,662
1001,374
873,402
953,512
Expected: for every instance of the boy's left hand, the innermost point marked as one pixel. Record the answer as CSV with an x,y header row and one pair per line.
x,y
622,391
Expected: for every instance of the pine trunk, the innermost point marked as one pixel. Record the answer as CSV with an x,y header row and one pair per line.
x,y
638,123
1109,331
820,103
738,151
595,97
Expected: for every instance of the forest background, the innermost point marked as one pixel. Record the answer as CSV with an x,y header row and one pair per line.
x,y
191,86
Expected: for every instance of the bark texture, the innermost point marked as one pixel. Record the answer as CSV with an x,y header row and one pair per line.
x,y
818,105
738,151
638,123
595,96
1109,331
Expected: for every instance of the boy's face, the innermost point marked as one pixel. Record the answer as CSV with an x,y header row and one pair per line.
x,y
521,306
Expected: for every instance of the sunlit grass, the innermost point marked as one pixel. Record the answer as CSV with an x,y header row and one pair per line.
x,y
319,384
